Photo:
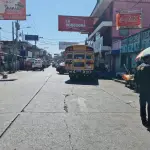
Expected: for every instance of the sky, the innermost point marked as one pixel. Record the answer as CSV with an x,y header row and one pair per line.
x,y
44,21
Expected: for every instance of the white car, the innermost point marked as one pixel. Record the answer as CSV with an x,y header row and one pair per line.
x,y
37,65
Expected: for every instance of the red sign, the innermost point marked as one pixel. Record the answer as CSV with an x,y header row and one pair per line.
x,y
76,24
130,20
12,9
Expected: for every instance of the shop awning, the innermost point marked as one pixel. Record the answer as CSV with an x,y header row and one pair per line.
x,y
102,25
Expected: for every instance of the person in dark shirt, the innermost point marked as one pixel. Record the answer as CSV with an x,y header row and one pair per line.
x,y
2,66
143,80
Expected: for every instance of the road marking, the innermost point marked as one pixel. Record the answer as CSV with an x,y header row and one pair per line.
x,y
82,105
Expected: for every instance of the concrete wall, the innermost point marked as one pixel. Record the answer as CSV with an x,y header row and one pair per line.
x,y
128,5
100,8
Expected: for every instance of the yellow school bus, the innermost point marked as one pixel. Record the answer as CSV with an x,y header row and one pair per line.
x,y
79,61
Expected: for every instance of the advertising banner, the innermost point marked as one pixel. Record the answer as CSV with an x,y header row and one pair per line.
x,y
64,45
76,24
128,20
12,9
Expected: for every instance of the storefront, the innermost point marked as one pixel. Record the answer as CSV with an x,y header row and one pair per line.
x,y
145,39
130,47
115,56
115,60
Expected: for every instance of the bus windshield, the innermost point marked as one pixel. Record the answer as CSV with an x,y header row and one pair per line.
x,y
79,56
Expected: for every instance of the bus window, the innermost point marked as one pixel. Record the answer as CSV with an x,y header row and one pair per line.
x,y
79,64
79,56
69,56
88,56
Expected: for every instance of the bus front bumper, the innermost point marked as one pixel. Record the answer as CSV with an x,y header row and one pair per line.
x,y
81,72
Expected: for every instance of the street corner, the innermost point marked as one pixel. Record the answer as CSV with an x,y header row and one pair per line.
x,y
119,81
8,79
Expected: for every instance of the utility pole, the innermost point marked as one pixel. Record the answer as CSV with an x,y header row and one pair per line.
x,y
17,26
0,34
17,29
22,35
13,38
35,43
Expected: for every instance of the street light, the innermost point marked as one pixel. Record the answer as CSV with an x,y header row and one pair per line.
x,y
22,34
28,27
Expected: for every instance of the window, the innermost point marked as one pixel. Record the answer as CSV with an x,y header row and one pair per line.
x,y
69,56
78,64
89,57
79,56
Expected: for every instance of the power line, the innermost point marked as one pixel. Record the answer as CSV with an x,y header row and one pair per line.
x,y
136,4
61,39
49,44
54,42
6,31
5,38
34,26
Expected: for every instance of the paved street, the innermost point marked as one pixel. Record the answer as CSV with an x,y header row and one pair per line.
x,y
46,111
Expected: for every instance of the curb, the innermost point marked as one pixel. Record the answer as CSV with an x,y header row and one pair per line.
x,y
119,81
6,80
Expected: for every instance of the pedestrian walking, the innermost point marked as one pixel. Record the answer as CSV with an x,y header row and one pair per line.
x,y
143,80
2,66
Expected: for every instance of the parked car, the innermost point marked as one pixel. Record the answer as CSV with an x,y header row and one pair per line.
x,y
38,65
28,63
61,68
53,64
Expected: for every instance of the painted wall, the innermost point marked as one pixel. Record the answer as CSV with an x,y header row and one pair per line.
x,y
127,5
116,45
106,16
100,8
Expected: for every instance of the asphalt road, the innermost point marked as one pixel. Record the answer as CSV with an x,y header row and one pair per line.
x,y
46,111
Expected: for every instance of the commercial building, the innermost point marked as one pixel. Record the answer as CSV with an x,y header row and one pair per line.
x,y
132,45
14,54
105,38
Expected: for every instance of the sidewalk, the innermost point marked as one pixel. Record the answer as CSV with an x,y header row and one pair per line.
x,y
122,93
15,76
23,75
120,81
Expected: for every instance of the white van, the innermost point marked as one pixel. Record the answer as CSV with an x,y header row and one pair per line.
x,y
37,65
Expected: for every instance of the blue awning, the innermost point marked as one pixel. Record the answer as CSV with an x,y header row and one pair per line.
x,y
115,52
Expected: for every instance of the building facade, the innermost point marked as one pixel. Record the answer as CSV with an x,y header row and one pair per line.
x,y
106,28
131,47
